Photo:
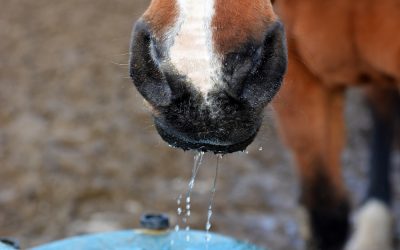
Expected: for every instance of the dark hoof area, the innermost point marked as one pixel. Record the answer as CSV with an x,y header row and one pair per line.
x,y
330,228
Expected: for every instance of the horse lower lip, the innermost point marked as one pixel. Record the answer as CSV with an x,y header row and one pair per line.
x,y
218,148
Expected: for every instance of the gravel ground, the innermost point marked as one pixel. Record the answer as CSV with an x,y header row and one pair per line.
x,y
79,153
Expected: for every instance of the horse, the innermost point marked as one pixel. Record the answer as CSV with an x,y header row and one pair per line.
x,y
207,69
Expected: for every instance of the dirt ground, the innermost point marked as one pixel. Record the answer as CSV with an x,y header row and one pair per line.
x,y
79,153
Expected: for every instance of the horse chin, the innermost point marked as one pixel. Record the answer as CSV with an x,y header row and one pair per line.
x,y
186,142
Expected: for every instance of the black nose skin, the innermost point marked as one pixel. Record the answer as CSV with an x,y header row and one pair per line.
x,y
254,72
144,69
252,76
190,142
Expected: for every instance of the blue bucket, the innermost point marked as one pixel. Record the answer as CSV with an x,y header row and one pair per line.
x,y
148,240
154,236
4,246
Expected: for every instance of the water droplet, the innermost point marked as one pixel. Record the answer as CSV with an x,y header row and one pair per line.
x,y
179,211
209,214
179,200
191,183
260,148
176,228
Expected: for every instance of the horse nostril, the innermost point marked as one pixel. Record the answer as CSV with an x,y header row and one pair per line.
x,y
144,70
254,73
237,65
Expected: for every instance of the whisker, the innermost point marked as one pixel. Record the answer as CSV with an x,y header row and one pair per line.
x,y
119,64
148,127
123,54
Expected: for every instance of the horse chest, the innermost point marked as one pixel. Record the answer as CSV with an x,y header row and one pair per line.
x,y
339,41
323,37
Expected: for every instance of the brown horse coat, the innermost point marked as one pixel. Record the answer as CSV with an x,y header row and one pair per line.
x,y
334,45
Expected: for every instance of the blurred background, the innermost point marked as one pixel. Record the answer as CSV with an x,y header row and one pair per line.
x,y
79,153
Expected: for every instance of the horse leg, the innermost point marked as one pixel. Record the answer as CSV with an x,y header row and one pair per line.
x,y
373,229
311,120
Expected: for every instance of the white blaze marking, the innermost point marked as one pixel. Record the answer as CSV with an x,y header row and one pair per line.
x,y
192,52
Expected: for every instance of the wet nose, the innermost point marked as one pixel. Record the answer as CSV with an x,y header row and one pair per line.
x,y
214,141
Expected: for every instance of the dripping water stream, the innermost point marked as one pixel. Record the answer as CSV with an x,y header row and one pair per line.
x,y
185,212
184,201
211,202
